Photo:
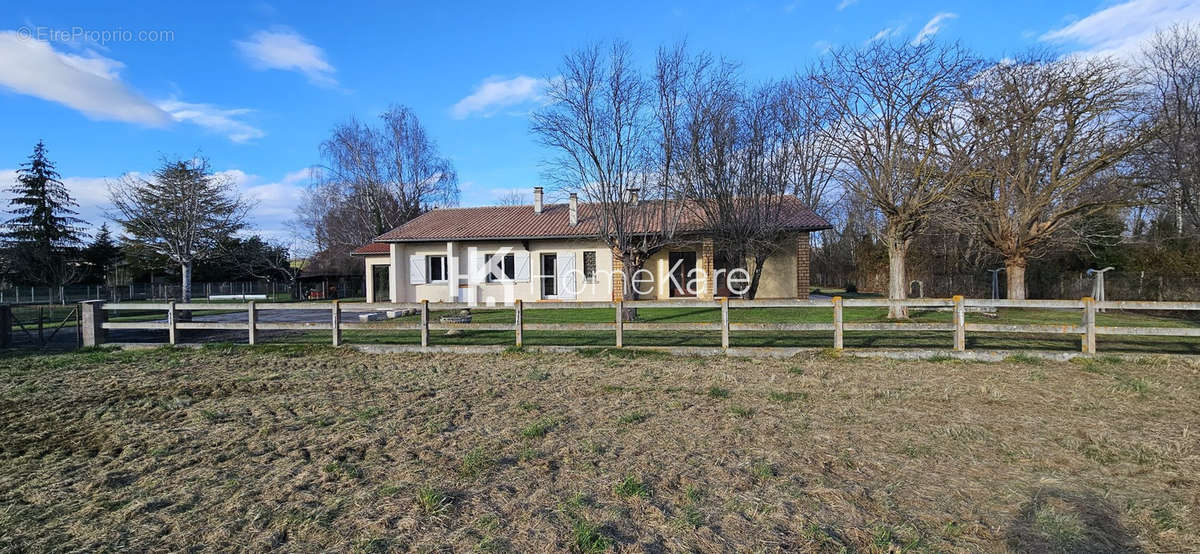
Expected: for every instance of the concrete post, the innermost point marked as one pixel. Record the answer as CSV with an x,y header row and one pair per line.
x,y
251,322
519,322
960,324
336,322
92,322
838,327
724,322
1089,325
620,324
425,322
171,323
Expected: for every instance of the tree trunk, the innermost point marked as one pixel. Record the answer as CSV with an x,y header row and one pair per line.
x,y
897,278
756,276
185,293
629,267
1014,269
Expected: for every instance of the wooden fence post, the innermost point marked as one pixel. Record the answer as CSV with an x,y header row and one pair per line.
x,y
1089,325
838,327
425,322
519,322
5,326
620,324
960,324
336,313
92,321
725,322
251,321
171,322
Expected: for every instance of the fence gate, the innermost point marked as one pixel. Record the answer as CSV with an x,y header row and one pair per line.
x,y
45,328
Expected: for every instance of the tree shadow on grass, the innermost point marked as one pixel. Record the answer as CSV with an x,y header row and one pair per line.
x,y
1056,520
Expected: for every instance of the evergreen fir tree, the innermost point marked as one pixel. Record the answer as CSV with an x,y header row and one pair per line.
x,y
42,236
101,255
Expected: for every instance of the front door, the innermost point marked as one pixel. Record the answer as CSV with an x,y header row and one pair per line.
x,y
682,266
549,280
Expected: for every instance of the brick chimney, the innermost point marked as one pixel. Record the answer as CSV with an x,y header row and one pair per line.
x,y
633,195
537,200
574,212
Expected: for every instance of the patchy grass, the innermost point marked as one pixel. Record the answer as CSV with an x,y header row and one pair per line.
x,y
321,449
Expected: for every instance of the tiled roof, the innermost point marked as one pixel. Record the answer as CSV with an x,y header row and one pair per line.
x,y
512,222
371,249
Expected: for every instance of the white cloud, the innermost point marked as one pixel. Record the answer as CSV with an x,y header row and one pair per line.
x,y
845,4
496,92
89,83
932,27
1121,29
289,51
886,33
213,118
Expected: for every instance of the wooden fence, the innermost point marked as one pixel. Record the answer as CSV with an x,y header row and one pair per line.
x,y
95,322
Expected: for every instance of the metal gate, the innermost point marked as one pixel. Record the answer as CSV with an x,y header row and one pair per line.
x,y
40,327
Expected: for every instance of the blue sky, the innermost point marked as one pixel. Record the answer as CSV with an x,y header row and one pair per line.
x,y
256,87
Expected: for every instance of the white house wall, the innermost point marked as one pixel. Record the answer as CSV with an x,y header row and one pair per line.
x,y
529,291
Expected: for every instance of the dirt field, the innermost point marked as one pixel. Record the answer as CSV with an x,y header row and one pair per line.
x,y
314,449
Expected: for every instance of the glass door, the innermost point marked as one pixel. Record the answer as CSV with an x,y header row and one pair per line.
x,y
549,278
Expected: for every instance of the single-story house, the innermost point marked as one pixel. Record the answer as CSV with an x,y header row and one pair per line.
x,y
553,252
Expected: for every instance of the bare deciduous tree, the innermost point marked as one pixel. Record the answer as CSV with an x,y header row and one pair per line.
x,y
811,125
893,101
611,133
1046,136
375,179
736,163
182,212
1171,159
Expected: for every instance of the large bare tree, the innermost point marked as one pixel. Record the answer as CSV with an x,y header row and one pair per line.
x,y
373,179
735,162
1047,136
182,212
611,133
894,102
1171,159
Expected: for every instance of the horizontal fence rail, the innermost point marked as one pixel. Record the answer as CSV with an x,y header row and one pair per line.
x,y
95,322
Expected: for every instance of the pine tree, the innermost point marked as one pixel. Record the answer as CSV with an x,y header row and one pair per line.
x,y
42,236
101,255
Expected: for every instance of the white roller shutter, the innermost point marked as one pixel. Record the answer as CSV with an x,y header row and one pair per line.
x,y
521,261
416,270
565,275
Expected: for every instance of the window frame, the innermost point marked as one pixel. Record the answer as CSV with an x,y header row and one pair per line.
x,y
429,258
508,268
589,279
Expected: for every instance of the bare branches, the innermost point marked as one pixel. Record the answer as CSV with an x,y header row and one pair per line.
x,y
611,134
1171,159
375,179
894,101
1047,138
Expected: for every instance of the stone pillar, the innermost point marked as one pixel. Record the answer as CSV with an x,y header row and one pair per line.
x,y
803,260
91,317
618,279
708,288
